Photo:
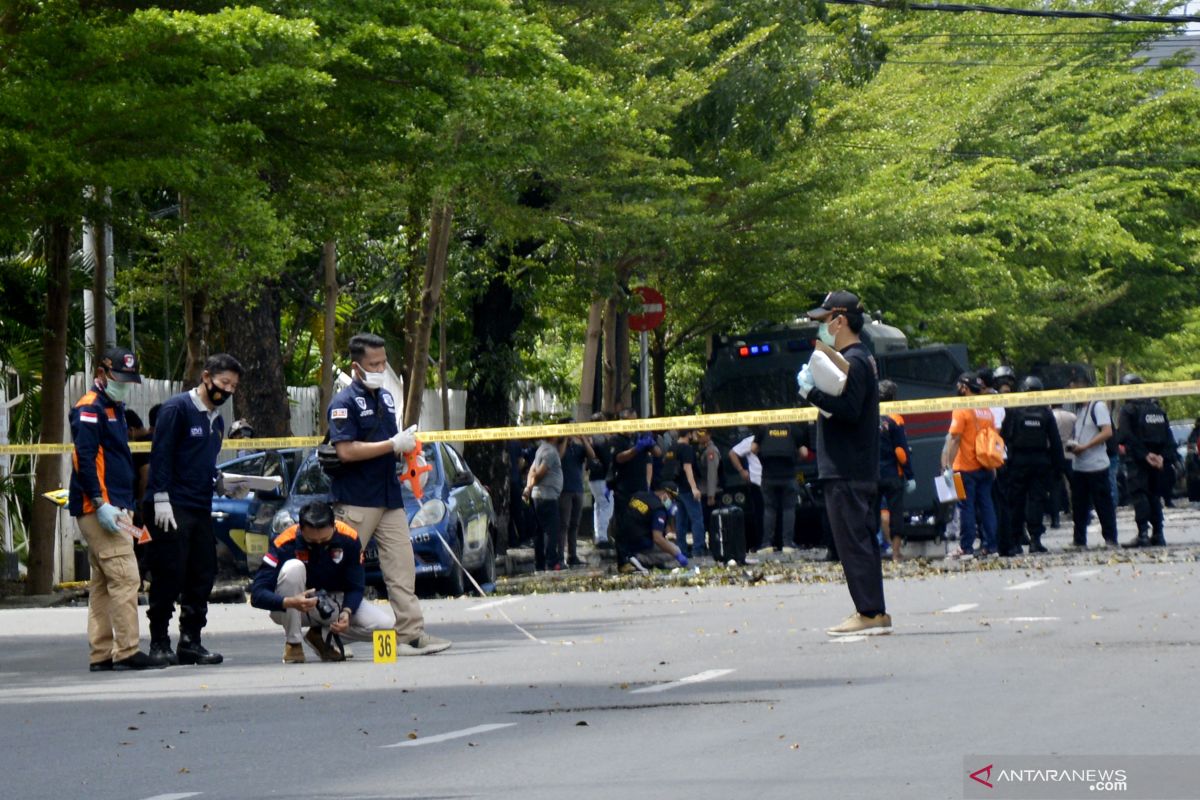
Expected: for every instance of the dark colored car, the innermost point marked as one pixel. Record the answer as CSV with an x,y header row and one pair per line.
x,y
455,509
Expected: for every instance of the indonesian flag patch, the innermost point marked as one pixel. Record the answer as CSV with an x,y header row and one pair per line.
x,y
270,560
336,555
88,417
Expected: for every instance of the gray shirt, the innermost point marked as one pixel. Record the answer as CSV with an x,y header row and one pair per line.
x,y
551,484
1091,418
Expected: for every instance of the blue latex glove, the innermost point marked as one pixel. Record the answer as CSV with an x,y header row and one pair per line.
x,y
108,514
681,558
644,442
804,380
910,486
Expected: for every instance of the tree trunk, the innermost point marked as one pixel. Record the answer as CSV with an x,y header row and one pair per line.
x,y
435,273
658,372
100,290
443,384
612,393
412,288
196,315
496,316
591,346
329,329
48,473
624,374
252,336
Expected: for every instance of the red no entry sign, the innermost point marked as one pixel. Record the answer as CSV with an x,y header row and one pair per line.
x,y
654,308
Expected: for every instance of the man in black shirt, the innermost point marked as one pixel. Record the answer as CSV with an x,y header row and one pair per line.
x,y
643,536
1150,453
631,473
1035,461
848,460
779,448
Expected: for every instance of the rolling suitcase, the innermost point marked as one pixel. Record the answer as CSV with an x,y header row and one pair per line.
x,y
727,539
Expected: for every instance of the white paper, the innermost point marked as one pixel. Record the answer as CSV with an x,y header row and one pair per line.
x,y
946,492
256,483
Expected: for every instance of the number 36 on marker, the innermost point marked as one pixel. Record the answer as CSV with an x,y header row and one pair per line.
x,y
385,647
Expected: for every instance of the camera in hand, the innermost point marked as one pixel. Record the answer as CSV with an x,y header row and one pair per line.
x,y
327,608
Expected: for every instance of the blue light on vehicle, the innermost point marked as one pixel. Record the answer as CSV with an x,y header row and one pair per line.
x,y
750,351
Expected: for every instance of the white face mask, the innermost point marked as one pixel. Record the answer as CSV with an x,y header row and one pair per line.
x,y
118,392
373,380
825,335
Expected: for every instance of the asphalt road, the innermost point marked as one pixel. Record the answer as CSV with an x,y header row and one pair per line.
x,y
698,693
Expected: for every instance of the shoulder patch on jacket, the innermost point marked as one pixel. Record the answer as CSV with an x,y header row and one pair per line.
x,y
288,535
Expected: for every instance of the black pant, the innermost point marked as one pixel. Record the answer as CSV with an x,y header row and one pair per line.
x,y
1145,485
851,507
1028,497
1000,503
779,503
891,491
755,537
546,545
183,566
1092,489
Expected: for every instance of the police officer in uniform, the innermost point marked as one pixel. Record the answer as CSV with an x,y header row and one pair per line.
x,y
1145,433
644,532
366,490
178,507
1035,462
779,448
101,498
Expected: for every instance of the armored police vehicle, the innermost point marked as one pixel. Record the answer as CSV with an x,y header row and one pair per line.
x,y
757,370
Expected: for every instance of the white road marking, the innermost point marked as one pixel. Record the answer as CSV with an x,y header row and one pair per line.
x,y
697,678
445,737
1020,587
174,796
502,601
1032,619
958,609
1085,573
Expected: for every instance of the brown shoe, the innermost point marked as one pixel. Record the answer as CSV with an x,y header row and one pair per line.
x,y
857,624
317,642
293,653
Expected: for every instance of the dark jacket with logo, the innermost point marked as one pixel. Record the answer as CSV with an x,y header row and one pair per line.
x,y
644,515
848,439
359,415
335,566
101,465
1144,428
1031,435
183,457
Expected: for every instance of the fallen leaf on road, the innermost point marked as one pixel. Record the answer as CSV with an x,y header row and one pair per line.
x,y
412,734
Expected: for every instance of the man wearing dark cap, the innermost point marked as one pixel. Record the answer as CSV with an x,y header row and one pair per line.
x,y
101,499
848,460
644,532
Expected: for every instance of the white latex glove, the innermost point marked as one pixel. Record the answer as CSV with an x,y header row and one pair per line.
x,y
164,515
110,517
804,380
405,441
910,486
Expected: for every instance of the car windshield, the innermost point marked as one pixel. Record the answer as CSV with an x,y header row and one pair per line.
x,y
312,479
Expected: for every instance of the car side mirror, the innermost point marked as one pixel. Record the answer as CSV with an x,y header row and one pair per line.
x,y
462,479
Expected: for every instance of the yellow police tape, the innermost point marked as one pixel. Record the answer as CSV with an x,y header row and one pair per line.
x,y
694,421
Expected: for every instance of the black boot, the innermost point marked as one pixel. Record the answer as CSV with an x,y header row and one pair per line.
x,y
1036,546
190,651
1142,540
138,660
1157,540
160,650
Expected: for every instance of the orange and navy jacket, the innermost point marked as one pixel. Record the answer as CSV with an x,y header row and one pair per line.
x,y
101,465
895,456
335,566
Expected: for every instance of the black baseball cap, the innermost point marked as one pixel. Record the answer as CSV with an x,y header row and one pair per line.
x,y
841,300
123,365
670,487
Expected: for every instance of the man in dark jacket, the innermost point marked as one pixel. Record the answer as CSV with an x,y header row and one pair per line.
x,y
319,554
848,460
178,509
1035,462
1150,454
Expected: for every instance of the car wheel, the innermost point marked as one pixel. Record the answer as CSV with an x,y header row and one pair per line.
x,y
487,571
451,585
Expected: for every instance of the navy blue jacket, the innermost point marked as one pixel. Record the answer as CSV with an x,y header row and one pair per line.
x,y
183,456
101,465
893,441
335,566
358,415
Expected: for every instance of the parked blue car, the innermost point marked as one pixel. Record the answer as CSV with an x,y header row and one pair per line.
x,y
456,509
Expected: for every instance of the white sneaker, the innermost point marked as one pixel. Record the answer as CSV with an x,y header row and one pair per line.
x,y
637,565
764,551
787,551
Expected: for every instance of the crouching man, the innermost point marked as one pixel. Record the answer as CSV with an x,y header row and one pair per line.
x,y
648,517
312,576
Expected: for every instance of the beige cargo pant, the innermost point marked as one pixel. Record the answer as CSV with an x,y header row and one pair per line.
x,y
390,529
113,592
